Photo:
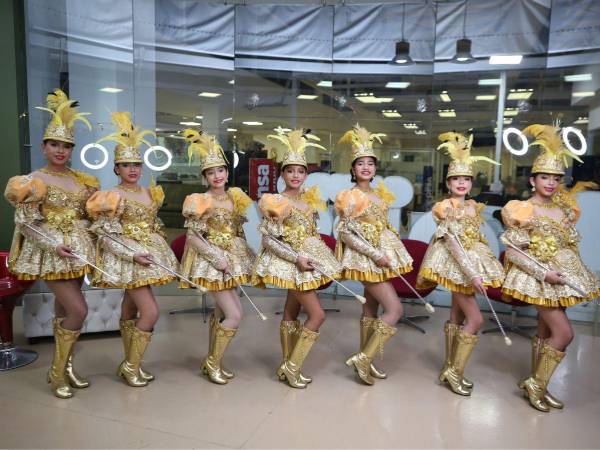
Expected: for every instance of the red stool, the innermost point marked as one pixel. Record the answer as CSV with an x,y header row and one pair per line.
x,y
11,288
417,250
496,295
178,246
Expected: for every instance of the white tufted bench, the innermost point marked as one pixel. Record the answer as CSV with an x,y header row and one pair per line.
x,y
104,310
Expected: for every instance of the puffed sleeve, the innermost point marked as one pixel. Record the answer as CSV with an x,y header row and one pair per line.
x,y
196,210
105,209
26,193
275,208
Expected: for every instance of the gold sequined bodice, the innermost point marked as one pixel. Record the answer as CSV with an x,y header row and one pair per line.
x,y
373,221
139,220
548,235
298,226
470,227
222,226
63,208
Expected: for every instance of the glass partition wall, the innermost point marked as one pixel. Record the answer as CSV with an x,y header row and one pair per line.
x,y
240,70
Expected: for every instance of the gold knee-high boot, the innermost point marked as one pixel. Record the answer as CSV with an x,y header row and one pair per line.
x,y
289,332
129,369
211,364
74,378
126,326
290,368
366,330
462,347
64,340
536,345
450,330
534,387
361,361
211,339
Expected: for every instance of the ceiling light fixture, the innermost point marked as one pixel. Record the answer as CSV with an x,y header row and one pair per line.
x,y
402,55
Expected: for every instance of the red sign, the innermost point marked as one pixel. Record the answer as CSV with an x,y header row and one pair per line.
x,y
262,177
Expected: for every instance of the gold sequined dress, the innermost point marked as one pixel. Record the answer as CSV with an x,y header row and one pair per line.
x,y
553,242
55,206
222,228
298,234
445,263
358,255
135,224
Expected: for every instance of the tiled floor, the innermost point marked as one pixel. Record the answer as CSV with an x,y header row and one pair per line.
x,y
409,409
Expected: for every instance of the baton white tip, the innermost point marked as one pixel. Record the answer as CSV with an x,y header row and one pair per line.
x,y
429,308
507,341
263,317
361,299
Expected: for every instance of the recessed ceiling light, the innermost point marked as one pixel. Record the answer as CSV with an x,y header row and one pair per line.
x,y
584,94
232,129
111,90
507,120
227,119
578,77
370,98
306,97
411,126
176,136
190,124
489,82
519,94
485,97
506,59
252,123
391,113
445,97
446,113
397,84
509,112
200,117
582,120
420,132
231,81
209,94
325,83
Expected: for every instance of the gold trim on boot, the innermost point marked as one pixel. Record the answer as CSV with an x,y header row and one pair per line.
x,y
366,330
462,347
289,332
211,364
129,369
361,361
126,326
450,329
75,379
297,330
211,338
57,377
534,387
290,368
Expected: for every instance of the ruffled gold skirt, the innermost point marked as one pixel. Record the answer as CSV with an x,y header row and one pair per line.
x,y
271,269
200,271
524,287
131,275
29,262
440,267
359,267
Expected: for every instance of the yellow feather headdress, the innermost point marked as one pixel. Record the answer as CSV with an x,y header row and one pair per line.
x,y
553,156
64,115
458,147
361,141
207,147
295,144
128,138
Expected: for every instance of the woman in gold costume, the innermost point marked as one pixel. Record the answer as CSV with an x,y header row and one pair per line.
x,y
547,271
216,254
460,259
370,251
130,240
293,256
52,201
